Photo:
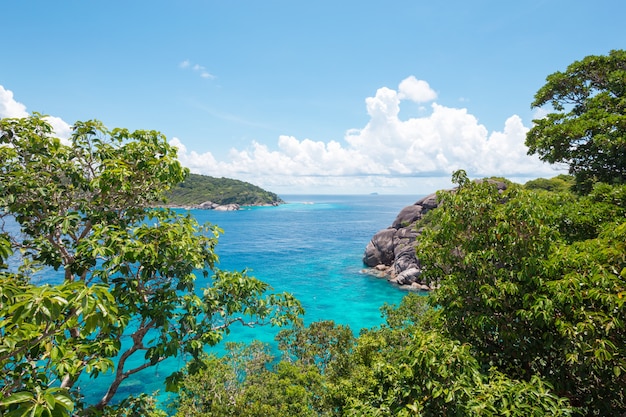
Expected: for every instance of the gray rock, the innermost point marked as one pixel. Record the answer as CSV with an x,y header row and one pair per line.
x,y
429,202
407,277
207,205
392,251
407,216
227,207
380,249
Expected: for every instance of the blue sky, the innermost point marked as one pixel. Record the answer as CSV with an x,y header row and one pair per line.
x,y
307,97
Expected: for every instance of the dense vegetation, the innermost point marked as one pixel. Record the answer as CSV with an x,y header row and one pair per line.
x,y
560,183
125,298
197,189
528,318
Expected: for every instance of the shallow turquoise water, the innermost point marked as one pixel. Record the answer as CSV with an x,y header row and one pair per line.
x,y
311,247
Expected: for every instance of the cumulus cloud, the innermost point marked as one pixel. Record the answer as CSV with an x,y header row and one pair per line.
x,y
414,154
61,128
416,90
387,153
9,107
199,69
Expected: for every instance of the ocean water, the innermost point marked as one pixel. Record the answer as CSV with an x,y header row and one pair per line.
x,y
311,247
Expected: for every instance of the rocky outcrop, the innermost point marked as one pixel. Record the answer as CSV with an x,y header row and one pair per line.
x,y
391,252
208,205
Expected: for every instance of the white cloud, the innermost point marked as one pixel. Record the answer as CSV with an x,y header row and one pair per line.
x,y
197,68
386,154
61,129
194,160
416,155
9,107
416,90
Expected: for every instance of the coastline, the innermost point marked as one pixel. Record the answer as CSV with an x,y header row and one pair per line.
x,y
209,205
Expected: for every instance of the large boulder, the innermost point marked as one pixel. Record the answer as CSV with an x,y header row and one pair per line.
x,y
407,216
380,250
209,205
227,207
392,251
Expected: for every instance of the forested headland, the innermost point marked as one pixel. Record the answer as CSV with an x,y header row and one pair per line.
x,y
527,318
197,189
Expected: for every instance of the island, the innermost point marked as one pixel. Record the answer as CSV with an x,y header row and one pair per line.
x,y
225,194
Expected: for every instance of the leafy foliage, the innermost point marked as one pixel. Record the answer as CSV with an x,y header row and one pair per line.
x,y
143,405
560,183
587,129
83,209
197,189
319,344
400,369
245,383
530,300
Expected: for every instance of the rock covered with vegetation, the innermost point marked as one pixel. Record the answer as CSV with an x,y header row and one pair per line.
x,y
210,193
391,253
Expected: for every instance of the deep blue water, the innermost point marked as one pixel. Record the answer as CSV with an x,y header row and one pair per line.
x,y
312,247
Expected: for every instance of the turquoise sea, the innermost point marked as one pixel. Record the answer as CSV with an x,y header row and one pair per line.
x,y
312,247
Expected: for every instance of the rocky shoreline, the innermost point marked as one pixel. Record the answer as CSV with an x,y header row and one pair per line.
x,y
209,205
391,253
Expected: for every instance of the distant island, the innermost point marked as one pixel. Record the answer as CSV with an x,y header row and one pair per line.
x,y
205,192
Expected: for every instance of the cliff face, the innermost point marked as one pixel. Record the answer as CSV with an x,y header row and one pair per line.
x,y
391,252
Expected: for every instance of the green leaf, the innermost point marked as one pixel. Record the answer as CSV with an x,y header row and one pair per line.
x,y
63,399
18,397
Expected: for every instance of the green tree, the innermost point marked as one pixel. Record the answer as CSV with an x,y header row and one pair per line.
x,y
560,183
318,344
433,375
406,367
530,297
82,212
249,381
587,128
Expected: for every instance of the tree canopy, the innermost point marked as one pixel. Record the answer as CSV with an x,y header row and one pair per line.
x,y
81,212
533,288
586,129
